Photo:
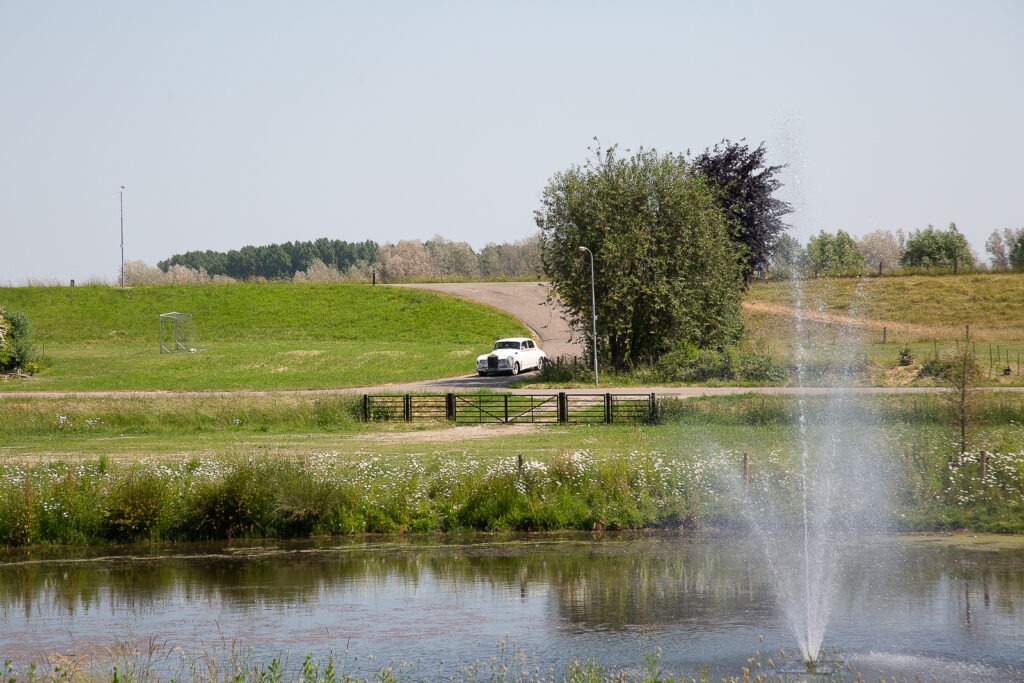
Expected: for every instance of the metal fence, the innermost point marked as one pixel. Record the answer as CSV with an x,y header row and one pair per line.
x,y
560,408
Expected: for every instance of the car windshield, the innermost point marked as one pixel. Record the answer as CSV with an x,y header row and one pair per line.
x,y
506,345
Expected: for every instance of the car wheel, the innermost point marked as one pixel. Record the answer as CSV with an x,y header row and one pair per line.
x,y
540,364
481,373
515,368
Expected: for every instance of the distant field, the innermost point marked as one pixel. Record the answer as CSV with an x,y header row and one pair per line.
x,y
259,336
877,317
915,307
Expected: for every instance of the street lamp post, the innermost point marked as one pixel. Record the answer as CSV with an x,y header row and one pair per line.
x,y
122,237
593,308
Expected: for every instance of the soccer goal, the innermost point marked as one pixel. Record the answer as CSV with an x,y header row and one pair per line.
x,y
177,333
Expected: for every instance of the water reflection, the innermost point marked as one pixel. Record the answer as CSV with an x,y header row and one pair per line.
x,y
902,607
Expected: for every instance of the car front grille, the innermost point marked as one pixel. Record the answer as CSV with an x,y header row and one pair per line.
x,y
492,361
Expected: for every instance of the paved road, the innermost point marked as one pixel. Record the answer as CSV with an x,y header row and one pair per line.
x,y
528,301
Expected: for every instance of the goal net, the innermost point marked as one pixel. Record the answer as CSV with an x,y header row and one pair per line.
x,y
177,333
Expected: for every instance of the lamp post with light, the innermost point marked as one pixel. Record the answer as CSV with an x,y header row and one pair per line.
x,y
593,308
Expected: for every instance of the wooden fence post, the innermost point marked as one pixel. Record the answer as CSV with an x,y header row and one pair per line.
x,y
563,408
449,406
408,408
746,470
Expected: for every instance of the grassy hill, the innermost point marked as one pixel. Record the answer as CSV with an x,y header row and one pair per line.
x,y
920,306
879,317
258,336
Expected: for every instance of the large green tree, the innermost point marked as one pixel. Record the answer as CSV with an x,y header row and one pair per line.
x,y
1006,249
838,253
932,248
666,271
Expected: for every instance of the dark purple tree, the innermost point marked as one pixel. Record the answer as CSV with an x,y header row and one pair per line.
x,y
747,194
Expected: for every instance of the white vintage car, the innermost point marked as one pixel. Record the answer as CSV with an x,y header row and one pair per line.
x,y
513,355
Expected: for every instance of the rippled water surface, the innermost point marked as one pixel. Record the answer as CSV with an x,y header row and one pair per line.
x,y
953,611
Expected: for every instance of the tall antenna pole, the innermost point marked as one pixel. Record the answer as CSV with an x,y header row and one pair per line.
x,y
122,237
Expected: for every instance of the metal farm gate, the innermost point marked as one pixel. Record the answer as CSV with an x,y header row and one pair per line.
x,y
560,408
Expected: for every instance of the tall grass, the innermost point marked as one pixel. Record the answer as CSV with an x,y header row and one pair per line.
x,y
327,494
89,418
270,467
770,410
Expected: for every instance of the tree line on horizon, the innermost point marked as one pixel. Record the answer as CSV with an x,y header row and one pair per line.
x,y
885,251
332,260
275,261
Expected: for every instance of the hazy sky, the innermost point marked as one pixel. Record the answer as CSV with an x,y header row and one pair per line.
x,y
234,123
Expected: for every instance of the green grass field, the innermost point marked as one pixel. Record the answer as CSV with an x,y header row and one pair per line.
x,y
293,336
260,336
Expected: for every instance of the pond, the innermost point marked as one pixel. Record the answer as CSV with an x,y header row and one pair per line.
x,y
932,607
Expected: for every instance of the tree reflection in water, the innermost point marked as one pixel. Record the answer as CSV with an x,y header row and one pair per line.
x,y
611,598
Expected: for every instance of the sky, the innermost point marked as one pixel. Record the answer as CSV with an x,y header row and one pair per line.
x,y
235,123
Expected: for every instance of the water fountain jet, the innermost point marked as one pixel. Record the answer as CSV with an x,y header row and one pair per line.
x,y
815,508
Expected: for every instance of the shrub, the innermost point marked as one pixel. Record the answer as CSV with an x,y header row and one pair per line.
x,y
301,504
16,346
133,507
563,371
18,516
236,505
757,367
692,364
939,368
